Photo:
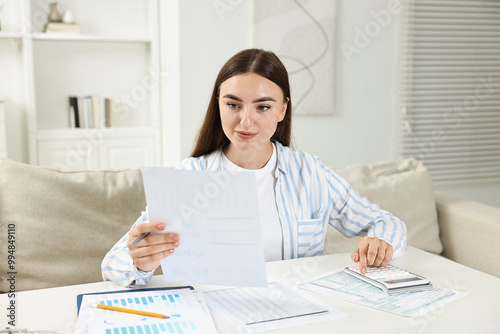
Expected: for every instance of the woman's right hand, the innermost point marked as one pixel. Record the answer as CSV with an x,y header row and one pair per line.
x,y
150,250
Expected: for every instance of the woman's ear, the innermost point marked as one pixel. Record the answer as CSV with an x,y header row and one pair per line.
x,y
283,111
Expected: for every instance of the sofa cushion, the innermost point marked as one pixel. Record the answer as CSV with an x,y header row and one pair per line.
x,y
469,231
64,222
402,187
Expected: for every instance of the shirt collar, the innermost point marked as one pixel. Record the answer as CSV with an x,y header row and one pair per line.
x,y
281,159
279,155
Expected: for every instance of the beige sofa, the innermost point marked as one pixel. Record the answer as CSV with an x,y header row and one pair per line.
x,y
59,225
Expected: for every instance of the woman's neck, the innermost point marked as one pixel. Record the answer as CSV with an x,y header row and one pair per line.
x,y
249,159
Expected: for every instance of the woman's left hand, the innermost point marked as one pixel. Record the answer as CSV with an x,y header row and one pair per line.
x,y
372,252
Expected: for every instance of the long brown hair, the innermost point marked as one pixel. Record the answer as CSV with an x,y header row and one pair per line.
x,y
211,137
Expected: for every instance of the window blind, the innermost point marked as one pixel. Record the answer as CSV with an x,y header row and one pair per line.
x,y
448,88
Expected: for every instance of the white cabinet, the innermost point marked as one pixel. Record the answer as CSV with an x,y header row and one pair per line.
x,y
115,56
121,153
61,153
115,148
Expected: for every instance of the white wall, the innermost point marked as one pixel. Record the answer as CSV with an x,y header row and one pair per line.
x,y
484,192
12,82
361,128
209,35
12,88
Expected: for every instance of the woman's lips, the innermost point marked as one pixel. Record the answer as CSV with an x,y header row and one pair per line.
x,y
245,135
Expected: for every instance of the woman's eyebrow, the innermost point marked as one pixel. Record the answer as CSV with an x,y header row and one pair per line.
x,y
261,99
232,97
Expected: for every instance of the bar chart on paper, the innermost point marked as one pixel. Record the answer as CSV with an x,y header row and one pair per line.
x,y
186,314
151,304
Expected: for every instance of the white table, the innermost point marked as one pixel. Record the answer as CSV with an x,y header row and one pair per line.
x,y
478,312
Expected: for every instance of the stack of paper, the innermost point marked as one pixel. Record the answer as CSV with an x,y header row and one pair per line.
x,y
255,310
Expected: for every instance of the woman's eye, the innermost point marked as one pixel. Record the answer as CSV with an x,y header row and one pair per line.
x,y
264,108
232,105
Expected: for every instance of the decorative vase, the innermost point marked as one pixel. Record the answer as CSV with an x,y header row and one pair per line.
x,y
54,15
68,17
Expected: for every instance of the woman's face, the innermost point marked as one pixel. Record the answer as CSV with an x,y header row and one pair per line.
x,y
250,108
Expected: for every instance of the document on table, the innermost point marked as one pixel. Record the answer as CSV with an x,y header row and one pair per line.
x,y
187,311
254,310
344,286
217,218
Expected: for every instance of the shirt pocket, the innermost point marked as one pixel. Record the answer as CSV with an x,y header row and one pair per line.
x,y
310,237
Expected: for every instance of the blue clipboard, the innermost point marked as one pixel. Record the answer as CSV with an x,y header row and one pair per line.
x,y
80,296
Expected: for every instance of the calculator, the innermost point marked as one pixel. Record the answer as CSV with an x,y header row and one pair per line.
x,y
391,279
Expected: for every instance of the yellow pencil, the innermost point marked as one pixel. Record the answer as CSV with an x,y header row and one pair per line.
x,y
126,310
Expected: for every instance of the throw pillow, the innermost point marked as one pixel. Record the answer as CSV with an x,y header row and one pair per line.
x,y
63,223
402,187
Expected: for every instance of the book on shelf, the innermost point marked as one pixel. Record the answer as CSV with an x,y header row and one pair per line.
x,y
87,109
109,110
73,112
81,112
62,28
96,111
90,111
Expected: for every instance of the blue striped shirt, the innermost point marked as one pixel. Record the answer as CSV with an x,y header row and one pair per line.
x,y
308,195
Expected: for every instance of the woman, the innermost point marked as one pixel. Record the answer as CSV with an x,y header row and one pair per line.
x,y
248,127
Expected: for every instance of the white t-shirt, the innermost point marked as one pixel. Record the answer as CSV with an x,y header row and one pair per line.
x,y
265,179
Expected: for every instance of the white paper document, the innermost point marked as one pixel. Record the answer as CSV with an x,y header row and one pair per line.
x,y
187,311
217,218
255,310
341,285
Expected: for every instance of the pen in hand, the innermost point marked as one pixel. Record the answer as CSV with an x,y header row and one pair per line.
x,y
138,239
126,310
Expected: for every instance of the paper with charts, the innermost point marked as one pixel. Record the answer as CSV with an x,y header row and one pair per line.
x,y
188,314
280,305
217,218
411,304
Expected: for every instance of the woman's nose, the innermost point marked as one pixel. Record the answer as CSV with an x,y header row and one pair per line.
x,y
246,117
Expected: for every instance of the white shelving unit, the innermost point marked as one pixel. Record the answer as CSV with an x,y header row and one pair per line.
x,y
91,38
10,35
116,56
